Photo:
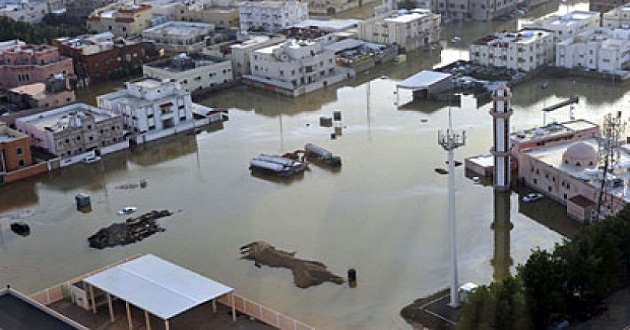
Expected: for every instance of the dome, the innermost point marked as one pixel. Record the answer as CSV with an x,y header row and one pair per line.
x,y
580,154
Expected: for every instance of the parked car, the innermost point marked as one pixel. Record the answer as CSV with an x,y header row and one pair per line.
x,y
127,210
532,197
91,159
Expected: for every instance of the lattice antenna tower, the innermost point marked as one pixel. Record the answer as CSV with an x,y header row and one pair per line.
x,y
608,148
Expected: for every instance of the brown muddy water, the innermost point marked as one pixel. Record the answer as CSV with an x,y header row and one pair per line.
x,y
384,213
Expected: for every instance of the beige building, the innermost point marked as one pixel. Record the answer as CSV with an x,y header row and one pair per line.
x,y
55,92
123,20
570,173
331,7
564,26
221,17
72,129
407,29
179,37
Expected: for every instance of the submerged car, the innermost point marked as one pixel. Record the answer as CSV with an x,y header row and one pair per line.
x,y
127,210
532,197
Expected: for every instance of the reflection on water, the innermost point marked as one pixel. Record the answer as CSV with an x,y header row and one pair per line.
x,y
501,225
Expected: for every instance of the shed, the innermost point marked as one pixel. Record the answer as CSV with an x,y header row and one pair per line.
x,y
158,287
426,84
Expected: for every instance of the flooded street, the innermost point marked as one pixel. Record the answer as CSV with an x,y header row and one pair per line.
x,y
384,213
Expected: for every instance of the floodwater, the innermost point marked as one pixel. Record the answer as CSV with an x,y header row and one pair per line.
x,y
384,213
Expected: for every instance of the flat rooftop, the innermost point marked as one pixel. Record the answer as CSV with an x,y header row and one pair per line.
x,y
58,119
180,28
551,130
17,313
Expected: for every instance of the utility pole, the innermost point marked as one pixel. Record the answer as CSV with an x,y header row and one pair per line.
x,y
450,140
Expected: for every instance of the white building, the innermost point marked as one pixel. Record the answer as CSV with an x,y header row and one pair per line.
x,y
294,68
598,49
24,10
240,53
150,108
565,26
524,50
194,72
618,18
407,29
73,129
271,16
179,37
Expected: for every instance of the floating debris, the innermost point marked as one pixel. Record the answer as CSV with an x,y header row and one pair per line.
x,y
441,171
320,154
276,165
306,273
130,231
128,186
20,228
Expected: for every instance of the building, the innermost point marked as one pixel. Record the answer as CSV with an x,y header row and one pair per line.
x,y
73,130
294,68
78,11
22,312
220,17
407,29
570,174
480,10
603,6
102,57
617,18
22,64
271,16
150,108
524,50
240,51
195,72
179,37
25,11
564,26
597,49
16,161
55,92
122,20
332,7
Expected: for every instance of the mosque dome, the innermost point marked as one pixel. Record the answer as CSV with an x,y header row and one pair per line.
x,y
580,154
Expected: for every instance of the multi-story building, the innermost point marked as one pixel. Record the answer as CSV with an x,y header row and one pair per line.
x,y
221,17
564,26
15,152
617,18
80,10
150,108
239,51
102,56
523,50
271,16
123,20
22,64
597,49
25,11
294,68
407,29
195,72
480,10
73,129
179,37
331,7
55,92
602,6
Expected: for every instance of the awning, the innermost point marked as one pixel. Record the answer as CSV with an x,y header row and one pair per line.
x,y
157,286
423,79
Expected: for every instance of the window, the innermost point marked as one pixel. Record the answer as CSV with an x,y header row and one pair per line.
x,y
21,163
18,151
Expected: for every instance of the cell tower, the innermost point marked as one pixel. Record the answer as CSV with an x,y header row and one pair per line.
x,y
608,148
450,140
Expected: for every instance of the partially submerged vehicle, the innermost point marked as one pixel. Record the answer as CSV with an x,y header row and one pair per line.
x,y
276,165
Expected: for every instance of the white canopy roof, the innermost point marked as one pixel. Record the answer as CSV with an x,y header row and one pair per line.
x,y
423,79
157,286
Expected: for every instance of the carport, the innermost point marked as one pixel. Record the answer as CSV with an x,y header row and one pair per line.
x,y
156,286
429,82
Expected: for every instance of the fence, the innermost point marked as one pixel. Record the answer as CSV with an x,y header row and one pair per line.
x,y
241,304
